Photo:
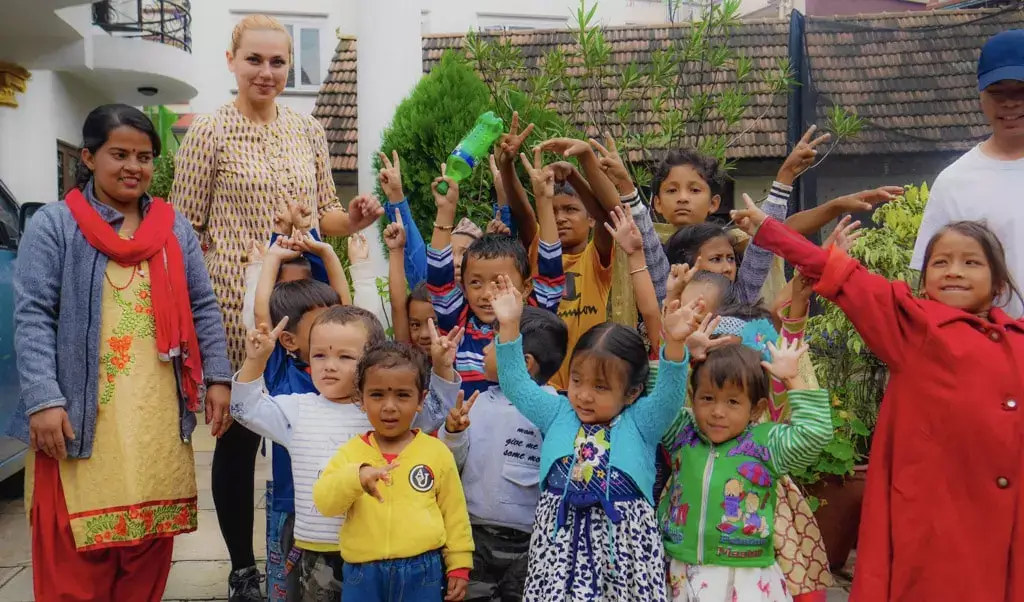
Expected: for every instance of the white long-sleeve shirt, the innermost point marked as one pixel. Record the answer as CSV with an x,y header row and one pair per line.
x,y
312,428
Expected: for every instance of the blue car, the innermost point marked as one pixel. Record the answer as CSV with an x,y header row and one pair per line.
x,y
12,224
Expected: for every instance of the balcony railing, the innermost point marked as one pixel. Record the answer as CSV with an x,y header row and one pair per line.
x,y
164,21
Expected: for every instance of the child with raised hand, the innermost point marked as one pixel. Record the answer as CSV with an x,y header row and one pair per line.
x,y
470,305
411,311
499,458
595,533
406,524
717,513
364,280
954,360
414,252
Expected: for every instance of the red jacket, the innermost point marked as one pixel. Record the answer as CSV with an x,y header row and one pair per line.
x,y
945,480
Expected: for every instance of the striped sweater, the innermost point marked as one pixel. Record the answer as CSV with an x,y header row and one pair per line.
x,y
453,309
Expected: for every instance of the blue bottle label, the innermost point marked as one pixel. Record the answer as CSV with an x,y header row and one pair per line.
x,y
458,152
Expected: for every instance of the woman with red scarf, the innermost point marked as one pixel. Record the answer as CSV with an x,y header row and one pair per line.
x,y
119,339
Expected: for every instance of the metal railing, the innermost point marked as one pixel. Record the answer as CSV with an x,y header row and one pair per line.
x,y
164,21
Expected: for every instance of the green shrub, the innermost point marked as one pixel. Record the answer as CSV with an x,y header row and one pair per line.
x,y
163,176
426,127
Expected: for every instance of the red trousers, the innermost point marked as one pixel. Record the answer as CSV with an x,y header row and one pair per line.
x,y
60,573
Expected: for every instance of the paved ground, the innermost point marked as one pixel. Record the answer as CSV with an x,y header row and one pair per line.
x,y
200,559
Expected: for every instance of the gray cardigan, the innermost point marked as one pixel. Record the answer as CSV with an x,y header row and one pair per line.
x,y
58,292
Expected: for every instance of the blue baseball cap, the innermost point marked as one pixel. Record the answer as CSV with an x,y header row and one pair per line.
x,y
1002,58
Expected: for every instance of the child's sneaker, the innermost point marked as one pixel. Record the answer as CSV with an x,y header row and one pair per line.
x,y
244,585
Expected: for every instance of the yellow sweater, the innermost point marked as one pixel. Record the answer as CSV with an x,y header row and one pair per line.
x,y
424,507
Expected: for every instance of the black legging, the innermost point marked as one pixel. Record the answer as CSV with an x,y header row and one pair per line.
x,y
234,465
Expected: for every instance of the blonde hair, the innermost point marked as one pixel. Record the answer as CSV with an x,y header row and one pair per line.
x,y
256,23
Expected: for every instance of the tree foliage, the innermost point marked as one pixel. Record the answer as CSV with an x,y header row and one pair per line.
x,y
163,175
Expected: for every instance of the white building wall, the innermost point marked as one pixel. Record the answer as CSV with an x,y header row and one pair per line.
x,y
52,108
459,16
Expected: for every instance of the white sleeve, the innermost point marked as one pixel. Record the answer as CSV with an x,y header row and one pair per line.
x,y
252,278
267,416
937,213
458,444
440,400
364,284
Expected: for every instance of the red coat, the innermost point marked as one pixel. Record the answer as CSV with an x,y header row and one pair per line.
x,y
941,517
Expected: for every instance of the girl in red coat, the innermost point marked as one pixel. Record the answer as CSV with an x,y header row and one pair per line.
x,y
942,516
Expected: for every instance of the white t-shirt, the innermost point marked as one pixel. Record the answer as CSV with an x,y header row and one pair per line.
x,y
979,188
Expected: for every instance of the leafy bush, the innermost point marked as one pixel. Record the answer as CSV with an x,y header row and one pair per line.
x,y
856,377
426,127
163,175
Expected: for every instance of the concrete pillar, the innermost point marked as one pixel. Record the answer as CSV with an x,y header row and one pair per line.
x,y
390,63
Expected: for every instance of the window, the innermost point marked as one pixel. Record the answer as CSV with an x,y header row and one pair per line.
x,y
67,168
305,73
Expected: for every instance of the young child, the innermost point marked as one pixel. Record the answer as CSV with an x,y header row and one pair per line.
x,y
310,425
411,311
118,336
469,306
406,522
717,513
955,362
595,533
499,459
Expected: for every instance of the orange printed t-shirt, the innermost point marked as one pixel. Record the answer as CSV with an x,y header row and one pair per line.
x,y
584,302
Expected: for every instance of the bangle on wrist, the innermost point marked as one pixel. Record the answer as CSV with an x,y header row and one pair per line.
x,y
638,270
443,228
631,197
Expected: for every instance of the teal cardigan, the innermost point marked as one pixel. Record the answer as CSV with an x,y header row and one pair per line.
x,y
636,432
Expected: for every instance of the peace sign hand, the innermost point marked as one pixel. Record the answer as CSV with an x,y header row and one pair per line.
x,y
750,219
458,417
541,178
612,165
802,157
259,343
391,177
509,144
444,347
370,476
394,234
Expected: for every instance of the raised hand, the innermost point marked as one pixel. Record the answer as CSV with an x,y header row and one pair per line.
x,y
506,300
679,321
803,156
394,234
444,347
284,249
785,364
679,276
283,219
750,219
866,200
496,226
259,343
256,251
567,147
844,234
509,144
302,215
390,177
700,341
371,476
363,211
613,166
803,288
305,243
541,178
450,199
625,232
458,417
358,249
563,170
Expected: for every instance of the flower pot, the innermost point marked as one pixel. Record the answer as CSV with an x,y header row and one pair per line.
x,y
839,514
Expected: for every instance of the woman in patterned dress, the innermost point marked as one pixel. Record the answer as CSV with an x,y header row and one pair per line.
x,y
234,171
118,333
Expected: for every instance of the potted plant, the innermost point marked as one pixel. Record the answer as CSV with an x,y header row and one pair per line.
x,y
856,378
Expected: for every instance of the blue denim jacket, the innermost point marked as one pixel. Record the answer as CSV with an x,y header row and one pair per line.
x,y
58,292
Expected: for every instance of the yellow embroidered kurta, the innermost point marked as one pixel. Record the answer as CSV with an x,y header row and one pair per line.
x,y
140,482
231,174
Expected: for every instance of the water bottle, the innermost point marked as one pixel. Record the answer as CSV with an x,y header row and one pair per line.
x,y
474,147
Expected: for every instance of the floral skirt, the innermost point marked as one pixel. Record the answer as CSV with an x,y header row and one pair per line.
x,y
592,559
695,583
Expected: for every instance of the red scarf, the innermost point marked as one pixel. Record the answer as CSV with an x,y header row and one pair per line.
x,y
155,242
